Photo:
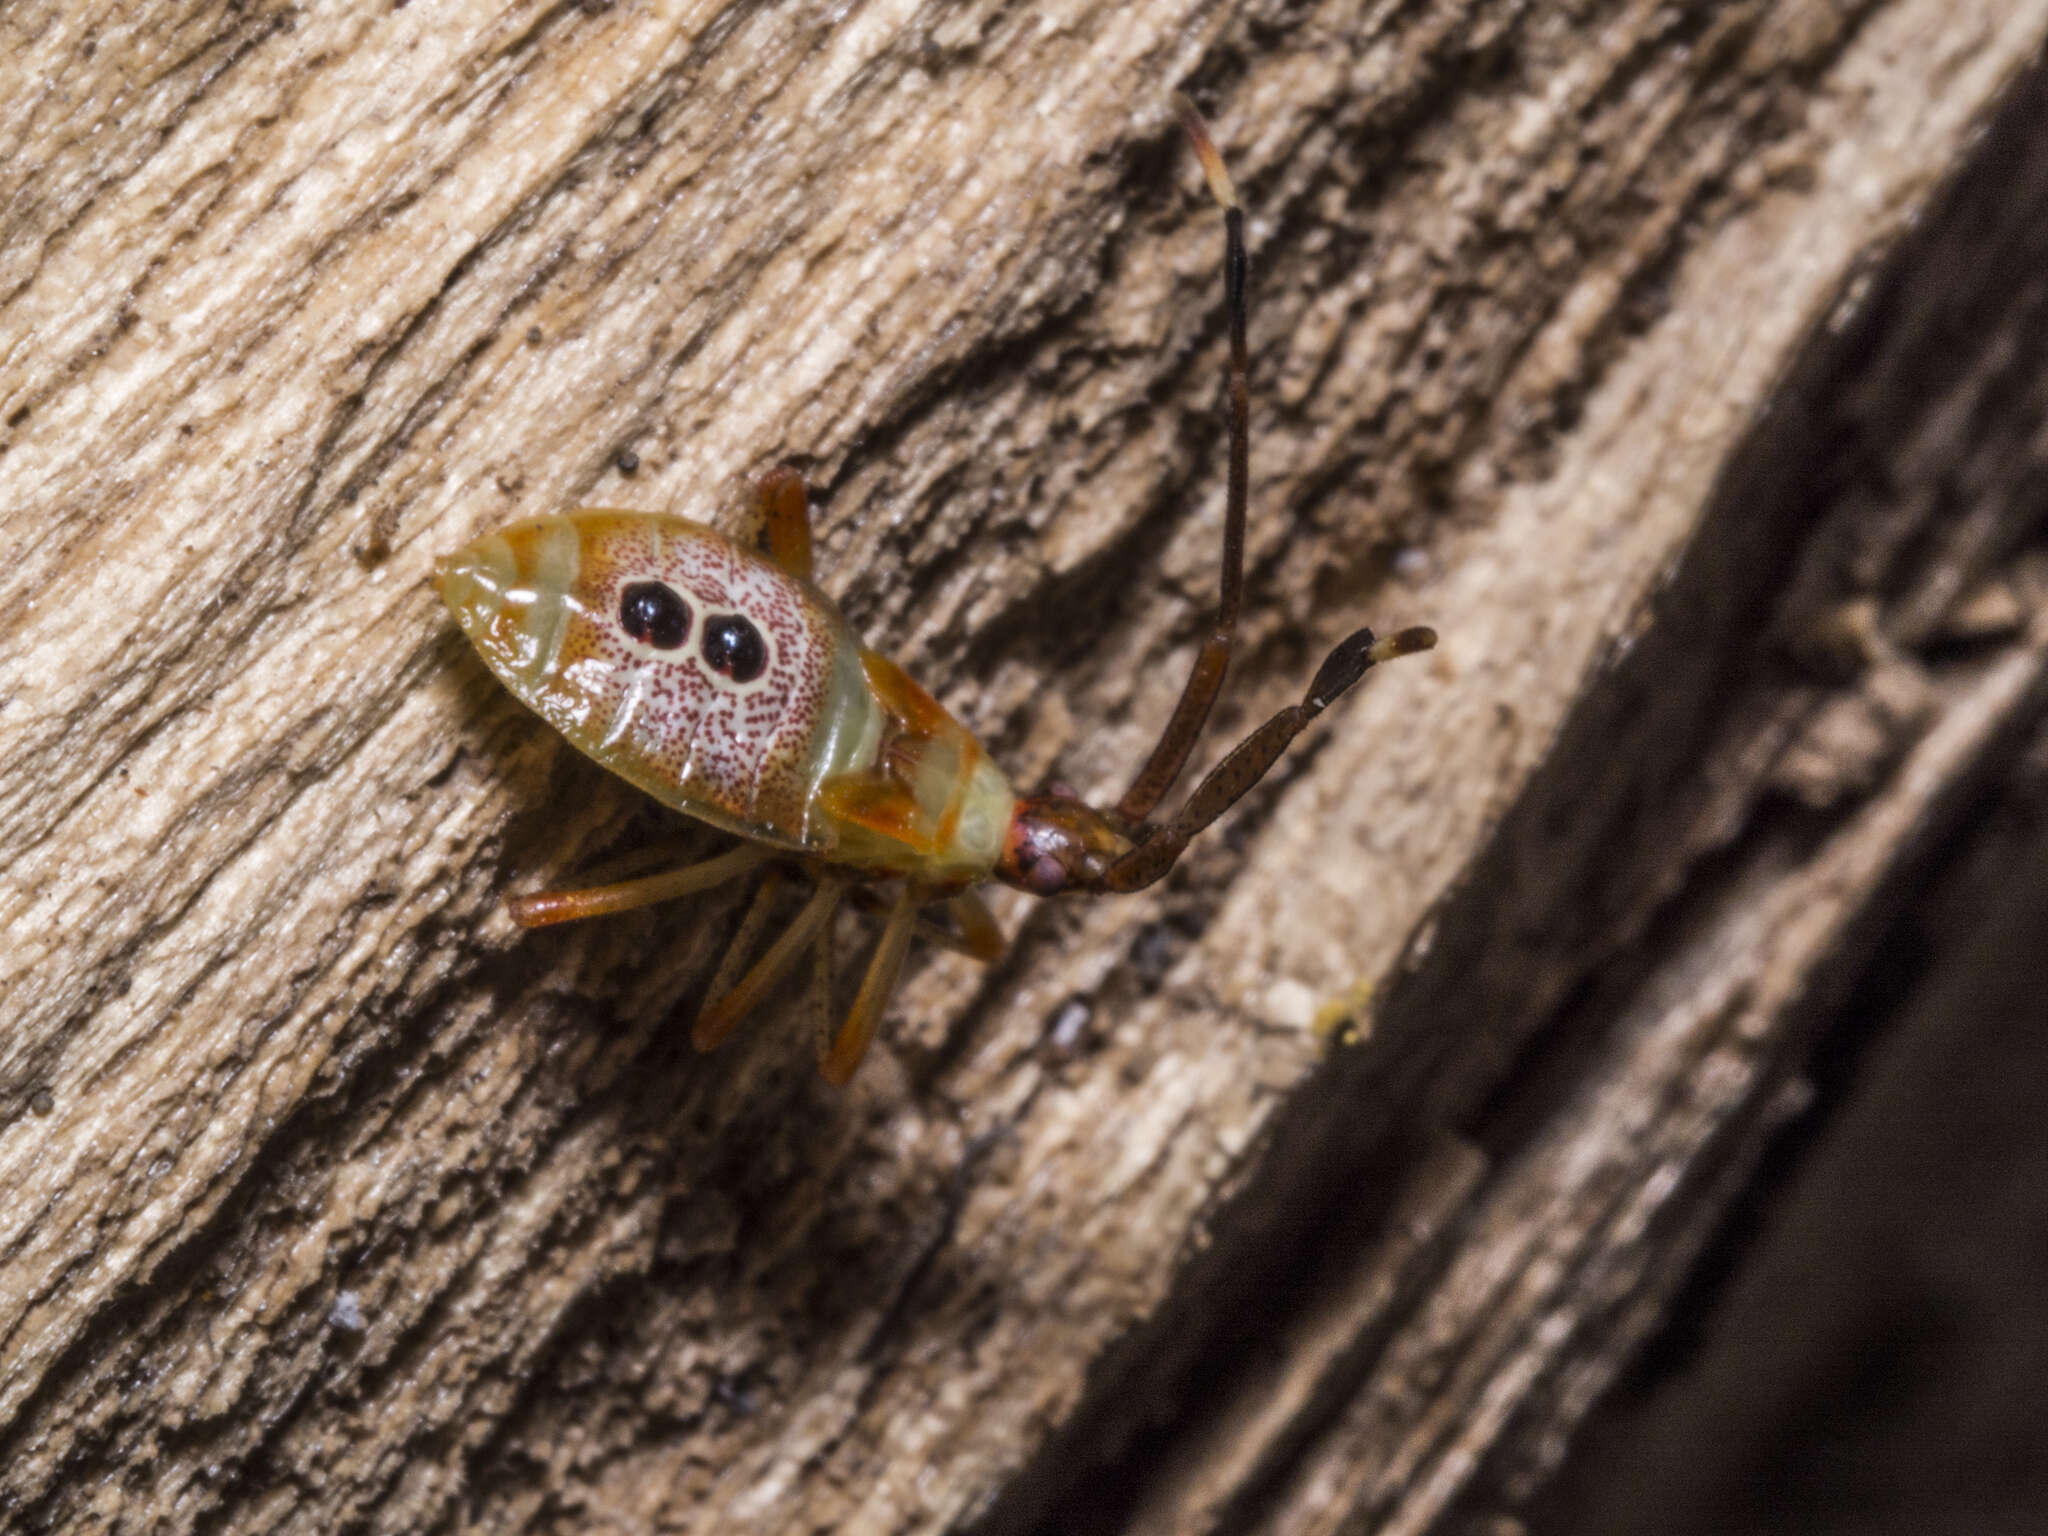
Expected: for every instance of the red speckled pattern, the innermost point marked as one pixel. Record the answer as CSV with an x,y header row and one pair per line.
x,y
665,719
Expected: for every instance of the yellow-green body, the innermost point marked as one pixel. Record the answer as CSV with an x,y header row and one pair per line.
x,y
810,744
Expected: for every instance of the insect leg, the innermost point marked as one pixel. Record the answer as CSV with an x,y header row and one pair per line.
x,y
782,519
732,965
977,936
837,1064
941,937
545,907
977,926
1170,755
819,1004
1250,758
722,1013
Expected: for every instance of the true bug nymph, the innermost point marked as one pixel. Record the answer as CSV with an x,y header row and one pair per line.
x,y
713,674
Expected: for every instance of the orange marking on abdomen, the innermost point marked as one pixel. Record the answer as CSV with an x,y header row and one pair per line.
x,y
949,821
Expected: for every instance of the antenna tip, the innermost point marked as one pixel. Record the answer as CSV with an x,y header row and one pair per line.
x,y
1355,656
1406,643
1220,186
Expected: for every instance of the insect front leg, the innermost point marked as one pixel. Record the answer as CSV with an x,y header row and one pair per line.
x,y
983,939
780,521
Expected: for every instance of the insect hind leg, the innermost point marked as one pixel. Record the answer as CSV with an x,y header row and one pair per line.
x,y
543,908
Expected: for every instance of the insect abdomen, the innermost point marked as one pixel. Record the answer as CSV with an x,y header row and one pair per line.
x,y
685,663
932,806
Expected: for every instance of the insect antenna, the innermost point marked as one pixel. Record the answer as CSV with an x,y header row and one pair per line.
x,y
1249,761
1205,680
1251,758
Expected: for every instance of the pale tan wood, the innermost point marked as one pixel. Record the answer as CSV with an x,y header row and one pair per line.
x,y
333,1202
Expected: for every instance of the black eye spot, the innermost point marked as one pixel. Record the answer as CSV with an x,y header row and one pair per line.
x,y
654,614
733,646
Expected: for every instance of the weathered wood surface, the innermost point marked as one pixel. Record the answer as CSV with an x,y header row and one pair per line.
x,y
1869,1366
332,1203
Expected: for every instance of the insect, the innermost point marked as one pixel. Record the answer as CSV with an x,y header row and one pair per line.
x,y
712,673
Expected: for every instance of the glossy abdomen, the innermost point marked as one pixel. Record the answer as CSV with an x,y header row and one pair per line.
x,y
744,697
728,688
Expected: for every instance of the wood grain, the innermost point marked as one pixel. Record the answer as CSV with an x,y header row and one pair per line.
x,y
335,1204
